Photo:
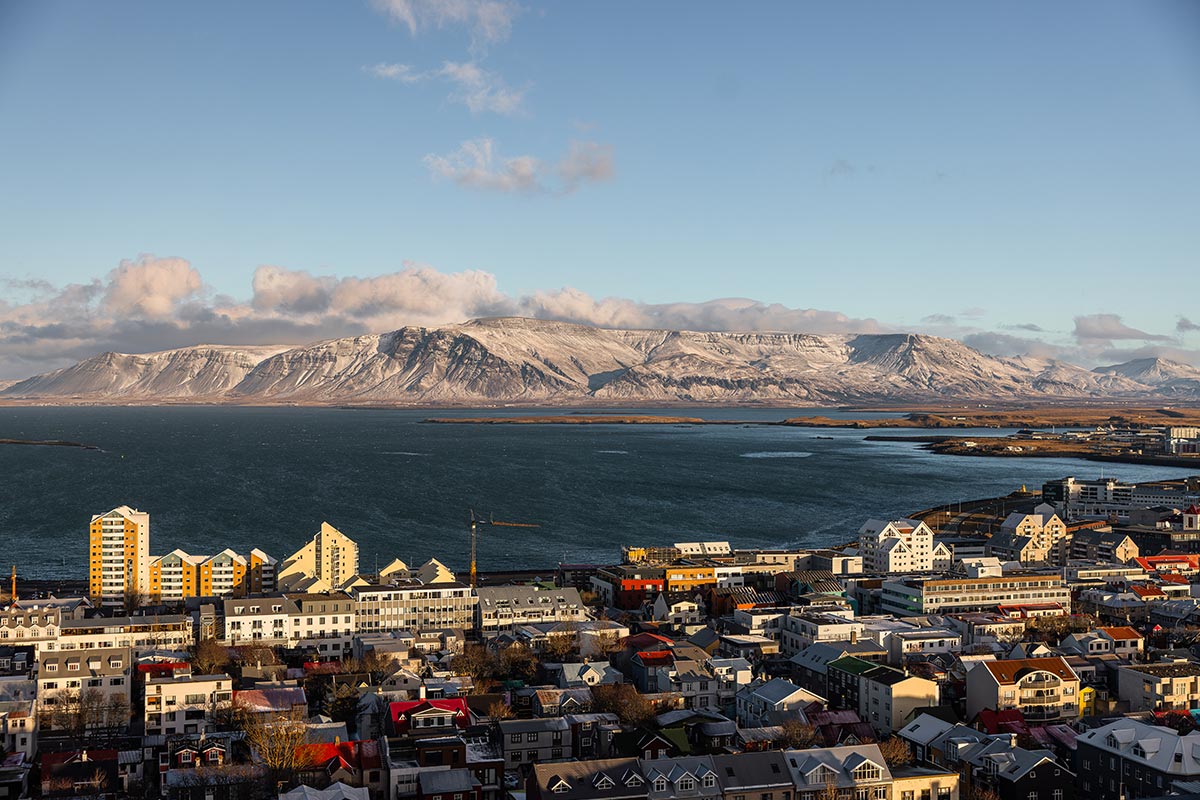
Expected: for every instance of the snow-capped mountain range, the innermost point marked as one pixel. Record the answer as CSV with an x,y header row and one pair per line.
x,y
536,362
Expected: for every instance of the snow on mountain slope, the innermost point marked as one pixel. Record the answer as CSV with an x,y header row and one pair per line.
x,y
514,360
203,371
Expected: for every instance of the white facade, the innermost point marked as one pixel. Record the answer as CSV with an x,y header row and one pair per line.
x,y
185,703
414,607
902,545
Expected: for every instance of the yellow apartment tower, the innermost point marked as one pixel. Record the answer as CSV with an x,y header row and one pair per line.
x,y
119,556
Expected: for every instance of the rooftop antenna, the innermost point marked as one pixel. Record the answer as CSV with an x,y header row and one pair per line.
x,y
14,584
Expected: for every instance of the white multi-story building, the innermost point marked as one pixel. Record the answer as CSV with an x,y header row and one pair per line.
x,y
414,607
258,620
139,634
909,597
98,678
326,622
502,608
185,703
900,545
804,628
18,727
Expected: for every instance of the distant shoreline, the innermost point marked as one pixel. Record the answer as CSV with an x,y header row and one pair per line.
x,y
50,443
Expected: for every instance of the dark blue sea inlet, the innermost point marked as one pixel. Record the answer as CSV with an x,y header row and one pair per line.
x,y
266,477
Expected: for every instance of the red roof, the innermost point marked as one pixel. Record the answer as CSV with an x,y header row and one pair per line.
x,y
350,756
1178,561
656,658
1008,720
1192,509
640,641
401,713
323,667
1147,591
1121,632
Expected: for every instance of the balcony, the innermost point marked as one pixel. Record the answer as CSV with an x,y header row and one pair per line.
x,y
1040,712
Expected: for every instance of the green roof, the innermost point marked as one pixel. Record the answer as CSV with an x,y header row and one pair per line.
x,y
853,665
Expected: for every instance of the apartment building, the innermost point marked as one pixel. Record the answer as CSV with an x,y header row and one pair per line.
x,y
502,608
765,703
984,591
118,556
1107,496
19,727
1160,687
628,586
186,703
179,575
415,607
139,634
92,686
324,622
901,545
803,628
36,627
1103,545
883,696
327,562
859,772
528,741
1130,758
1043,689
261,620
1040,537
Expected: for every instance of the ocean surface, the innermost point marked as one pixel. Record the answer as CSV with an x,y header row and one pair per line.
x,y
266,477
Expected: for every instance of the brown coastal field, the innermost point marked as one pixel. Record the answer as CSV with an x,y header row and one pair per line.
x,y
1044,417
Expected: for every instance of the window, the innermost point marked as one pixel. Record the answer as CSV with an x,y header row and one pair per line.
x,y
660,784
531,737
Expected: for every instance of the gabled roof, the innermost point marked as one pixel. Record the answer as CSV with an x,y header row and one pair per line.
x,y
1009,671
1120,632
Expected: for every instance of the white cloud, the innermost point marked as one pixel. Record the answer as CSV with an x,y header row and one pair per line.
x,y
153,304
403,73
477,165
1108,327
475,87
489,21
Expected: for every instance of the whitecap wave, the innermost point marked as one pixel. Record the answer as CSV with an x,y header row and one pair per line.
x,y
614,452
777,454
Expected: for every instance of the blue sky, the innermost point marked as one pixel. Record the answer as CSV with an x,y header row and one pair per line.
x,y
946,167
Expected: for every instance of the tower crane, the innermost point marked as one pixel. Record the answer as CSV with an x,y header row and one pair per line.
x,y
474,521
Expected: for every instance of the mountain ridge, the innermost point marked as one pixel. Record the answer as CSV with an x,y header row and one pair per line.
x,y
513,360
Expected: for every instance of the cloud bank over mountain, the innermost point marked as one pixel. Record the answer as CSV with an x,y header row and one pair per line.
x,y
154,303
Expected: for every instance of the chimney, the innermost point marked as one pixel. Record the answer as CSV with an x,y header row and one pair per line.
x,y
83,755
853,637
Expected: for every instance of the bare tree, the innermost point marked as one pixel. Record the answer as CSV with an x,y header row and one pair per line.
x,y
477,662
630,706
981,791
564,643
276,743
896,752
88,717
498,710
209,657
798,734
517,662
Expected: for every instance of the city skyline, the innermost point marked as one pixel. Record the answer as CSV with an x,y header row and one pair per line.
x,y
281,174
